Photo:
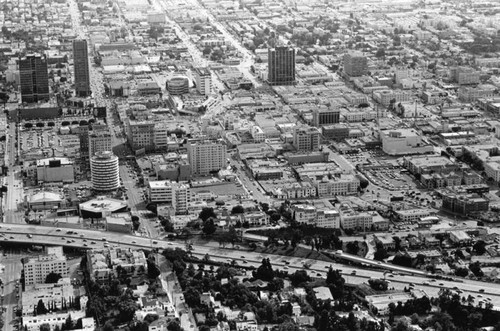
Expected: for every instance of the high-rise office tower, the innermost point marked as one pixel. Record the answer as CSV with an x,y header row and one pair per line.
x,y
355,64
281,66
99,141
81,64
325,117
34,78
203,79
306,138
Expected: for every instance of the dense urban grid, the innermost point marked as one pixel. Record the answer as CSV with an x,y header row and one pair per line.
x,y
250,165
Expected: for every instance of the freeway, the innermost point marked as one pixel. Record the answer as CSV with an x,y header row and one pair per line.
x,y
17,233
352,258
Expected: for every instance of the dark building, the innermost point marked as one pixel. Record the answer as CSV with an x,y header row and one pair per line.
x,y
325,117
34,78
81,64
464,204
281,66
355,64
335,131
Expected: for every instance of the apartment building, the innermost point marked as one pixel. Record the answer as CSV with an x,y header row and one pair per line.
x,y
117,261
37,268
310,215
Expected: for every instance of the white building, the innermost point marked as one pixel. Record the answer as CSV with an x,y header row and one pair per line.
x,y
33,323
404,142
341,185
177,194
323,218
412,215
385,96
203,79
105,171
52,295
258,134
37,268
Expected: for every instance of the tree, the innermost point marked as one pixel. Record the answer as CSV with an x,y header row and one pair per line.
x,y
237,210
476,269
380,253
174,326
462,272
380,53
153,269
289,326
479,247
378,284
207,213
40,308
209,226
45,327
264,271
52,278
299,277
352,247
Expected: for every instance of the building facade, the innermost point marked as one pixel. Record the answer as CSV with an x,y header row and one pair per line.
x,y
55,170
206,156
99,141
281,66
325,117
36,269
81,66
355,64
105,171
203,79
141,135
177,194
306,138
34,78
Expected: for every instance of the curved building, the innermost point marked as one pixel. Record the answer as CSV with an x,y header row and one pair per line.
x,y
105,171
178,85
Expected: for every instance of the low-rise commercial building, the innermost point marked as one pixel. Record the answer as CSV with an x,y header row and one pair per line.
x,y
412,215
177,194
57,169
404,142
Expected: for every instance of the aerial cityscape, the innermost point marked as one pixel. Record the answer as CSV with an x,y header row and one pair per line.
x,y
250,165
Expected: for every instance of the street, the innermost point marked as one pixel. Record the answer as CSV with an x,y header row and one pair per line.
x,y
11,273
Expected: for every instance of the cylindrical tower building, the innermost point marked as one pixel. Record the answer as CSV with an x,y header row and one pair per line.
x,y
105,171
